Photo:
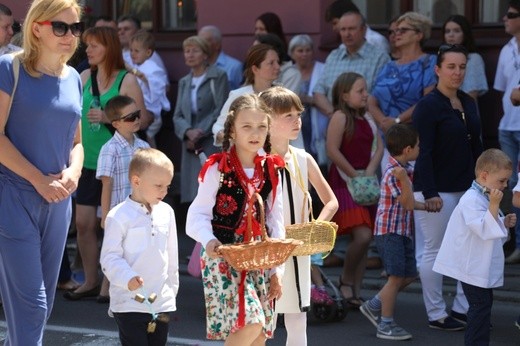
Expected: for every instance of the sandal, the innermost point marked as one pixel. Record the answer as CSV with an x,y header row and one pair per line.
x,y
69,285
353,302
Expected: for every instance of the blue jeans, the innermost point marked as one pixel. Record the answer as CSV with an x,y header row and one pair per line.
x,y
479,315
510,144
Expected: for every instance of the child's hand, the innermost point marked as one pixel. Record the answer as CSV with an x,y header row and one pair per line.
x,y
515,97
400,174
495,196
510,220
135,283
275,288
210,248
433,205
419,206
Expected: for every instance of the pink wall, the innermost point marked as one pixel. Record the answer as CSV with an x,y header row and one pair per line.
x,y
237,21
19,8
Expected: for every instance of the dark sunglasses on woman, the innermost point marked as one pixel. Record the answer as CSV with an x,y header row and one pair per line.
x,y
60,29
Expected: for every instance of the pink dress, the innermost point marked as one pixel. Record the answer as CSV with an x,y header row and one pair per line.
x,y
357,150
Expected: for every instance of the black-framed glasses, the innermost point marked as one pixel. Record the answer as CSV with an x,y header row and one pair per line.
x,y
400,31
512,15
457,48
60,29
131,117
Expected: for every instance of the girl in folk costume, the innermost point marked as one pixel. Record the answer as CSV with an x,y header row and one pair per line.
x,y
300,168
239,304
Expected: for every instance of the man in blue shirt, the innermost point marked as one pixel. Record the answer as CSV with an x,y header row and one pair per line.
x,y
230,65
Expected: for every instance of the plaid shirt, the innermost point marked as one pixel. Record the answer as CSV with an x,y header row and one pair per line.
x,y
367,61
391,217
114,161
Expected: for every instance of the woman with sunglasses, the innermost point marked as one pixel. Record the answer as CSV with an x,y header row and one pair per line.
x,y
107,71
402,82
457,30
40,164
449,135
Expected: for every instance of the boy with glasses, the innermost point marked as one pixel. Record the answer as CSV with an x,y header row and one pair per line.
x,y
115,155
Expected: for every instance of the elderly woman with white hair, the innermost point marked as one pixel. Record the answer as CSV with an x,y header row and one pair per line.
x,y
314,123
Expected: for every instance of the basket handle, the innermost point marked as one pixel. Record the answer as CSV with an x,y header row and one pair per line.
x,y
307,201
256,197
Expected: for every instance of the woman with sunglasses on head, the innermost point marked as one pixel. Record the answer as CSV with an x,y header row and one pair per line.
x,y
457,30
402,82
107,72
449,135
40,164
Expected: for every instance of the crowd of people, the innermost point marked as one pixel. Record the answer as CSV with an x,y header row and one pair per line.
x,y
278,127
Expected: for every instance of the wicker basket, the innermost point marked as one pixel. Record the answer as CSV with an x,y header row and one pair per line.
x,y
317,236
258,254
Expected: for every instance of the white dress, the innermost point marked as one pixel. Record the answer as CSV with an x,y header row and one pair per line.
x,y
296,281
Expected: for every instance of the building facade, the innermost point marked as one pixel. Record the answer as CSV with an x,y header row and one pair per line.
x,y
171,21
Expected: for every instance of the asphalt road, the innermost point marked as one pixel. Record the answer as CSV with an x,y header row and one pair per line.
x,y
87,323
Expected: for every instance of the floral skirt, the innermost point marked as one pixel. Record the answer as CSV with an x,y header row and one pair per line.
x,y
222,298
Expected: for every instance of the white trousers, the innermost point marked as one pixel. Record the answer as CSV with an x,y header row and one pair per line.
x,y
296,327
431,228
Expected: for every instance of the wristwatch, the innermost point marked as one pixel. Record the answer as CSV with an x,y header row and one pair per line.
x,y
397,120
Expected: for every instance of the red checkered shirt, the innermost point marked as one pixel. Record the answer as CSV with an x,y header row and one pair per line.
x,y
391,217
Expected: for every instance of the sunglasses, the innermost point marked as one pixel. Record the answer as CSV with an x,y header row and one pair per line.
x,y
60,29
400,31
458,48
512,15
131,117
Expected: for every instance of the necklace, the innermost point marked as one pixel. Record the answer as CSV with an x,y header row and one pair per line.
x,y
256,182
458,109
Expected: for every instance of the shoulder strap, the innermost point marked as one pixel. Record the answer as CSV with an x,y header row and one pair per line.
x,y
93,77
123,75
16,73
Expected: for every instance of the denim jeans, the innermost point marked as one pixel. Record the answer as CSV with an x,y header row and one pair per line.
x,y
479,315
510,144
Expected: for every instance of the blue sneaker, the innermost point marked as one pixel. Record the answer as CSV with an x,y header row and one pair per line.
x,y
391,331
449,323
517,323
371,314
